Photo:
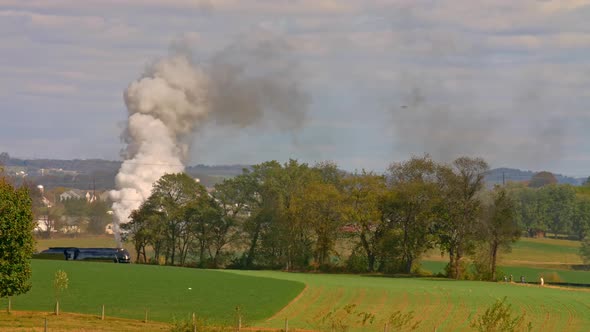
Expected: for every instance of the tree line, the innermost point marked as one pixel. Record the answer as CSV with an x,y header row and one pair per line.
x,y
553,208
294,216
74,215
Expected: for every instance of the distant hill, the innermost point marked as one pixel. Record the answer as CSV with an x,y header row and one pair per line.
x,y
100,174
96,173
498,175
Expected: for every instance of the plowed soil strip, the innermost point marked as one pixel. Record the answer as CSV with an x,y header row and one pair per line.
x,y
289,305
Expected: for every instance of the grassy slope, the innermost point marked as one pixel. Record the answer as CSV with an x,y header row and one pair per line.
x,y
443,304
127,290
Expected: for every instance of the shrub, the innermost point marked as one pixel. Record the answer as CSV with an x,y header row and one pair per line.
x,y
399,321
357,262
419,271
341,320
201,326
500,318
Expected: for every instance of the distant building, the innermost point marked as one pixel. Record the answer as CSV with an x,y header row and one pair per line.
x,y
71,194
89,195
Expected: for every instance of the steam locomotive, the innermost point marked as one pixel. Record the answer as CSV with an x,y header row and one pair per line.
x,y
116,255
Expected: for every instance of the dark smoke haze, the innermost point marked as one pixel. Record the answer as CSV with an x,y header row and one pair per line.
x,y
257,82
438,110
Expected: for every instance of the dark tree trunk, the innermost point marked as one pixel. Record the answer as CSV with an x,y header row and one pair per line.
x,y
252,250
493,258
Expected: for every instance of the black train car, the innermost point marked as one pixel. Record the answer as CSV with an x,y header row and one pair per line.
x,y
116,255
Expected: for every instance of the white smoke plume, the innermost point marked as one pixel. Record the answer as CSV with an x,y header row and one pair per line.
x,y
164,107
252,79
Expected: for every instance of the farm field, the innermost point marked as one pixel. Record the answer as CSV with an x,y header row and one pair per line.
x,y
446,305
127,290
531,274
532,252
443,304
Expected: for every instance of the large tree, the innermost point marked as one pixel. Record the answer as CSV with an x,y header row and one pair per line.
x,y
498,230
409,209
321,207
559,205
363,194
261,186
581,217
542,179
458,213
171,196
16,239
529,209
585,250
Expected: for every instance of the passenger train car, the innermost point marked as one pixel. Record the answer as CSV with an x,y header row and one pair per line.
x,y
116,255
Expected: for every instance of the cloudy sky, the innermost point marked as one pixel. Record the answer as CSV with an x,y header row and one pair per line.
x,y
383,80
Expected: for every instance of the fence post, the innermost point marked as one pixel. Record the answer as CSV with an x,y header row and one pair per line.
x,y
286,325
239,327
9,304
45,325
146,316
194,323
385,328
102,313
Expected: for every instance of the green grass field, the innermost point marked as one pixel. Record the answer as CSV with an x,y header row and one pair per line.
x,y
441,304
531,252
531,274
127,290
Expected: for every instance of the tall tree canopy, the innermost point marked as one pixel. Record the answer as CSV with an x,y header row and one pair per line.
x,y
542,179
498,230
458,214
16,239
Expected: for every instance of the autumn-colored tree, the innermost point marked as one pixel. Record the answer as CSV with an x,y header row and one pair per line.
x,y
542,179
363,194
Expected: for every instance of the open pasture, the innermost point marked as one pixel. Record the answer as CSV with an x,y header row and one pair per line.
x,y
88,241
443,304
532,252
446,305
127,290
531,274
310,301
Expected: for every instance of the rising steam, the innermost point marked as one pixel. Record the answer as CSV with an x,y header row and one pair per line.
x,y
241,85
164,107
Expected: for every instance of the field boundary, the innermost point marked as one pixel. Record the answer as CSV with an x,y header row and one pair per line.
x,y
275,316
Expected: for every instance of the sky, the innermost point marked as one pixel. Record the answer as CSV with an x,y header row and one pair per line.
x,y
374,81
